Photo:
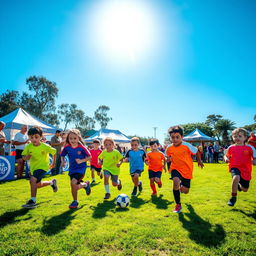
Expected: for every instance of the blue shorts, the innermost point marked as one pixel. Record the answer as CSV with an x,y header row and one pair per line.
x,y
114,178
39,174
153,174
136,171
244,183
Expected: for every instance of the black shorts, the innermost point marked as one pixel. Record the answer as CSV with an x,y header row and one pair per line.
x,y
184,182
137,171
18,153
244,183
77,176
95,168
39,174
153,174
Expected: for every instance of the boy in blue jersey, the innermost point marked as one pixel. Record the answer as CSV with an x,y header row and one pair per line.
x,y
136,158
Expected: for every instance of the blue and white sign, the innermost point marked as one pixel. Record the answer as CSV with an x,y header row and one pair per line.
x,y
66,167
7,167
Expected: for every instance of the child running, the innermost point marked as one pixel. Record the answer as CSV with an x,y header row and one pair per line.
x,y
78,155
111,160
179,153
136,158
95,166
156,163
240,157
38,155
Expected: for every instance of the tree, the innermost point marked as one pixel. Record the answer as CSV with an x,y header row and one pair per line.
x,y
8,102
188,128
223,127
254,118
101,116
212,121
67,113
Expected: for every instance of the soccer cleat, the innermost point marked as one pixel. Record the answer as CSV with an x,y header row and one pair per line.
x,y
30,204
159,184
54,185
232,201
119,187
177,208
73,205
134,192
140,186
107,196
88,188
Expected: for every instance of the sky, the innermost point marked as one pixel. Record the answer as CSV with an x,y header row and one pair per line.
x,y
155,63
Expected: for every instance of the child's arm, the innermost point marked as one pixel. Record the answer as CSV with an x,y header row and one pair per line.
x,y
226,158
126,160
63,163
26,158
84,160
53,161
120,162
198,158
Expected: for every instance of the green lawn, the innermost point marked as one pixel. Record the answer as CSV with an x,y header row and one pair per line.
x,y
148,226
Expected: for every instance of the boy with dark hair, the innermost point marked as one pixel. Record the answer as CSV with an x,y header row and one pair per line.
x,y
135,157
240,157
181,169
38,155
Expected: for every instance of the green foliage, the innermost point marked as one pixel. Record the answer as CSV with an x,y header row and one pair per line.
x,y
250,127
224,127
207,226
188,128
8,102
101,116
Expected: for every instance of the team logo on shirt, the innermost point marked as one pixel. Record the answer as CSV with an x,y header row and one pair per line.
x,y
246,152
79,152
5,168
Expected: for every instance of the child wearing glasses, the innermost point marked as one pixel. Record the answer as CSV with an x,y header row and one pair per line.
x,y
156,163
135,157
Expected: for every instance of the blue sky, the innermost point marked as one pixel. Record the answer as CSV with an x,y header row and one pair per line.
x,y
183,61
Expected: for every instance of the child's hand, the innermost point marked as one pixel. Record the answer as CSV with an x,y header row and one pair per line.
x,y
200,164
146,162
118,165
63,164
79,161
226,159
52,166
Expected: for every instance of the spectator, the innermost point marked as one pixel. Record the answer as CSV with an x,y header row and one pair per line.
x,y
2,139
252,140
56,142
216,149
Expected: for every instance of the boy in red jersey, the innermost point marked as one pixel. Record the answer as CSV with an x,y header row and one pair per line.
x,y
179,153
95,166
240,157
156,163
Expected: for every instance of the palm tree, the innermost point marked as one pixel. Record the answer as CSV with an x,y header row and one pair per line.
x,y
223,126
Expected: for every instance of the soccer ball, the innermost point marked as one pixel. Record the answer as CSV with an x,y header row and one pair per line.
x,y
122,201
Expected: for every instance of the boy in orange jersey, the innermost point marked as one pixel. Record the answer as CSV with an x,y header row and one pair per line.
x,y
180,154
156,163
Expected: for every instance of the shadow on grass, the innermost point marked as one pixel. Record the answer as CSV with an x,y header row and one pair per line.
x,y
137,202
160,202
101,209
200,230
9,217
58,223
94,184
251,215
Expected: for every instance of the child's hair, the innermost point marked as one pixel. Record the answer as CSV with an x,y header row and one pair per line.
x,y
35,130
76,132
96,141
153,141
108,139
176,129
135,139
238,130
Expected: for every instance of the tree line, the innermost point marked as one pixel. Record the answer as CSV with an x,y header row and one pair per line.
x,y
40,101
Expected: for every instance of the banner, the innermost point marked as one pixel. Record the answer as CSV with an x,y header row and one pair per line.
x,y
7,167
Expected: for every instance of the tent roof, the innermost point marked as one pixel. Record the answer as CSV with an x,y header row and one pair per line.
x,y
19,117
116,135
198,136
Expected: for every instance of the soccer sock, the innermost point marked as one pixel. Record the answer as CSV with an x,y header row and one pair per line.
x,y
153,187
34,199
118,182
176,194
159,183
107,189
51,182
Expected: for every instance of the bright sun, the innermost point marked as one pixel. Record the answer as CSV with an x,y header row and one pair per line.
x,y
124,29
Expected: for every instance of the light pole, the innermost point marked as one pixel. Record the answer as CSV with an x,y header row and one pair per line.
x,y
155,132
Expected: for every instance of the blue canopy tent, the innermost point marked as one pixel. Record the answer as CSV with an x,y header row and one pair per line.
x,y
198,136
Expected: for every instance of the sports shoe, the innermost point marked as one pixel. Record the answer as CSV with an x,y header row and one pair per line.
x,y
159,184
239,187
30,204
119,187
107,196
232,201
140,186
88,188
54,185
73,205
177,208
134,192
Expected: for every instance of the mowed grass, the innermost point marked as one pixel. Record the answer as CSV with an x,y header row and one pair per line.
x,y
148,226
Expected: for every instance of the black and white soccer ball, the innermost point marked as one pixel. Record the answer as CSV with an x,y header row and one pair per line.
x,y
122,201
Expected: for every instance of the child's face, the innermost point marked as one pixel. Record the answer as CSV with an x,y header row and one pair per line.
x,y
35,139
134,145
73,139
96,145
176,139
239,138
108,145
154,146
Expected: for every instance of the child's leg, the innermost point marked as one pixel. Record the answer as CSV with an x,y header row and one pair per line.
x,y
235,182
106,183
158,181
74,188
135,179
176,189
152,185
116,182
33,186
92,175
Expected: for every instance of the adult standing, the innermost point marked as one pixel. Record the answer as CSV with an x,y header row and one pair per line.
x,y
56,142
210,153
252,140
20,140
2,138
216,149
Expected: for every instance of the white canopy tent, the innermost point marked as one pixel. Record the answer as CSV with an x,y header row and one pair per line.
x,y
198,136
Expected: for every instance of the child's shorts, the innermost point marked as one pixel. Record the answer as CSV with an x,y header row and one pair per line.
x,y
184,182
39,174
137,171
77,176
244,183
153,174
95,168
114,178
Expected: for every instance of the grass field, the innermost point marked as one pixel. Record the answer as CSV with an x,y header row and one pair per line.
x,y
148,226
